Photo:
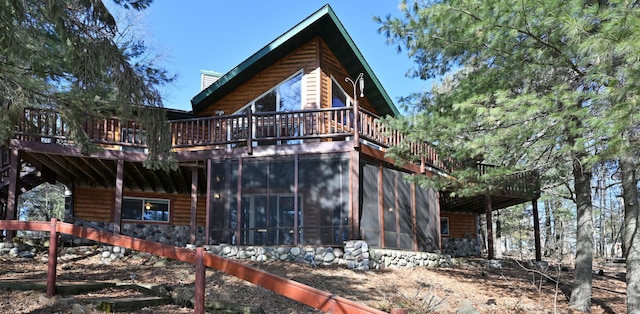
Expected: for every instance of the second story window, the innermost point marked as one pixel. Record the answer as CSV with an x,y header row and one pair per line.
x,y
339,98
286,96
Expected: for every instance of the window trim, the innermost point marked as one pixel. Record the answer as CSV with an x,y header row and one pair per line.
x,y
444,232
144,200
347,96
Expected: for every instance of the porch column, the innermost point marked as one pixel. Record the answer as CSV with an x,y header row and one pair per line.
x,y
354,189
117,210
12,195
296,205
536,230
207,223
488,214
194,204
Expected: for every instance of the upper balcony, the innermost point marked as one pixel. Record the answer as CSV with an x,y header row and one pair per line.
x,y
246,130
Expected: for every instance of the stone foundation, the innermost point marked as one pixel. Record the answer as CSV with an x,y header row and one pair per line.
x,y
161,233
459,247
354,255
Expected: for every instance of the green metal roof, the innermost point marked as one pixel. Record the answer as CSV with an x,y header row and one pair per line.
x,y
323,23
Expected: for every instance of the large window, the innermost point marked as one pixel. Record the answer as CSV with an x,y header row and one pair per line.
x,y
268,210
286,96
145,209
339,98
281,128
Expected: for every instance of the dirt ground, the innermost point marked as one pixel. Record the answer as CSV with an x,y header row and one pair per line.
x,y
513,288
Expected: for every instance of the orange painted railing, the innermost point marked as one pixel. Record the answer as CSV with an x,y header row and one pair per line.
x,y
294,290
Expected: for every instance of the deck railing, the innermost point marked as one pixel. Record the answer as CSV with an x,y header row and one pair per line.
x,y
244,129
313,297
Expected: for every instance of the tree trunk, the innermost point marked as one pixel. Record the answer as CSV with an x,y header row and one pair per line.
x,y
548,236
581,292
631,238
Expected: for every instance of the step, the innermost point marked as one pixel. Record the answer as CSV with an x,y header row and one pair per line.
x,y
130,304
62,287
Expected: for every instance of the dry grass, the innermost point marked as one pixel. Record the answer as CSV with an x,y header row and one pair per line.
x,y
512,289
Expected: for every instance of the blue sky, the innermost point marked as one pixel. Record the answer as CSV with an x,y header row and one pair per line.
x,y
219,35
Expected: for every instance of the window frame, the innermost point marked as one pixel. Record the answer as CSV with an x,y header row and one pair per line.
x,y
144,200
444,221
349,100
252,103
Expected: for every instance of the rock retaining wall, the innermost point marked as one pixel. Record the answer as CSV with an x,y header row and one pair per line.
x,y
459,247
354,255
161,233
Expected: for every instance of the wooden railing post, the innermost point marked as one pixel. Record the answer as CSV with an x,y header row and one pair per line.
x,y
53,258
249,132
198,299
356,129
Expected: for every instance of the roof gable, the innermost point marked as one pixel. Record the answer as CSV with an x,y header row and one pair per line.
x,y
323,23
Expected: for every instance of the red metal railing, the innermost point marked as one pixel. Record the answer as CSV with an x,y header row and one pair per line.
x,y
294,290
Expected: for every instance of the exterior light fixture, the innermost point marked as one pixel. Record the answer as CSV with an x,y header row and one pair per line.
x,y
359,82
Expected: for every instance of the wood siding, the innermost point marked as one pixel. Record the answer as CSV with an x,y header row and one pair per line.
x,y
461,225
97,205
309,58
332,67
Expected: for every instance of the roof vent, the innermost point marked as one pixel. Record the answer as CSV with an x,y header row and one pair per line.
x,y
207,78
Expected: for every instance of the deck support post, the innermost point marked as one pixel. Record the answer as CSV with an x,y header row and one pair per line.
x,y
117,210
356,127
201,273
490,253
194,204
354,189
12,196
207,223
296,205
536,230
53,258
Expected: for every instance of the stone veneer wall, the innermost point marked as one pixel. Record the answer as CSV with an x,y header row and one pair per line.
x,y
354,255
458,247
161,233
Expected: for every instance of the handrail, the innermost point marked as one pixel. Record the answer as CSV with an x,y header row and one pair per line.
x,y
294,290
242,129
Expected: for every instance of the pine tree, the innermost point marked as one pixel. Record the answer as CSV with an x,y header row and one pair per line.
x,y
65,56
528,85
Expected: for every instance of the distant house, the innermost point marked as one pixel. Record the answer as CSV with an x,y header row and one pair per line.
x,y
276,152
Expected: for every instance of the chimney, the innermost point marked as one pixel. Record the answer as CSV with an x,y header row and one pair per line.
x,y
207,78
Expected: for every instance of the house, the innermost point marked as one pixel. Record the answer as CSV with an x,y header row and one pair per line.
x,y
285,149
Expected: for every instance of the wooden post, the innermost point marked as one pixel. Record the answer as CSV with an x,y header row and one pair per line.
x,y
489,227
354,190
201,273
12,195
356,129
194,203
53,258
207,224
117,210
296,186
536,230
381,210
249,131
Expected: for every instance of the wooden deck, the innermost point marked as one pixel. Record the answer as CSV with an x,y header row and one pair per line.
x,y
246,130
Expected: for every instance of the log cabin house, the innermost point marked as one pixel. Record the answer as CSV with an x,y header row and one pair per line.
x,y
283,150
